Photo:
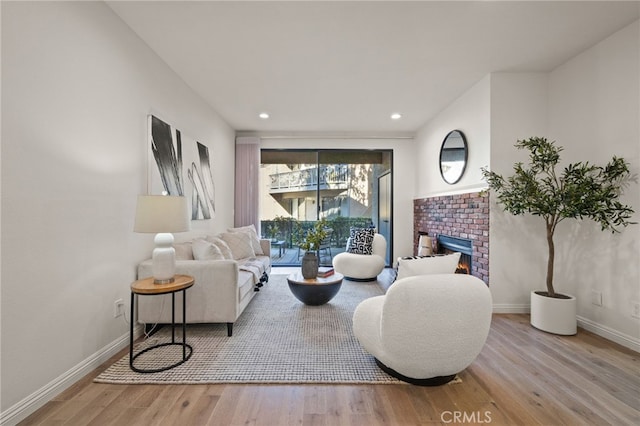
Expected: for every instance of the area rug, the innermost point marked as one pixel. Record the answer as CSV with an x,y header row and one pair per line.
x,y
276,340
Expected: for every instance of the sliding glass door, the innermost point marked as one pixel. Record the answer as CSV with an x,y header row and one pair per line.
x,y
299,187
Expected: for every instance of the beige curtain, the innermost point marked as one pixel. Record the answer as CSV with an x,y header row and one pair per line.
x,y
247,177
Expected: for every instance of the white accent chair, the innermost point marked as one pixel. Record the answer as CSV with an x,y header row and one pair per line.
x,y
427,328
362,267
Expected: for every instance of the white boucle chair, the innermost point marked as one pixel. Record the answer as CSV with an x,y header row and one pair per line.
x,y
427,328
362,267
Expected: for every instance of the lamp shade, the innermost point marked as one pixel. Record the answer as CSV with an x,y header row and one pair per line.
x,y
161,213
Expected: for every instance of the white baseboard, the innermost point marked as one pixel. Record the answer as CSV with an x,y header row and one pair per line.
x,y
506,308
31,403
610,334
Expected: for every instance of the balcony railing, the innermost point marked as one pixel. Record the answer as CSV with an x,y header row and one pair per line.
x,y
287,232
331,176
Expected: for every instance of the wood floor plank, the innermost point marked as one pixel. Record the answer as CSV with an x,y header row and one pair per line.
x,y
382,406
357,399
430,402
147,397
131,416
121,403
161,406
292,411
246,411
499,387
95,407
315,400
203,408
225,408
401,403
337,404
184,407
43,413
314,419
272,404
72,406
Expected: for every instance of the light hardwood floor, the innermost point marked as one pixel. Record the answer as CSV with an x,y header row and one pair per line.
x,y
522,377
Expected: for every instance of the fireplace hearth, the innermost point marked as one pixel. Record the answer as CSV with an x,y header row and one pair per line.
x,y
447,244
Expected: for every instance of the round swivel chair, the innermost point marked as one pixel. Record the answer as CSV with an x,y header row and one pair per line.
x,y
427,328
362,267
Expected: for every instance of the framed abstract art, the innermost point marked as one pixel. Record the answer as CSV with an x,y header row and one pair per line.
x,y
180,166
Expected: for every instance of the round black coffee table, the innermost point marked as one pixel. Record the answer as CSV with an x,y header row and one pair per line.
x,y
316,291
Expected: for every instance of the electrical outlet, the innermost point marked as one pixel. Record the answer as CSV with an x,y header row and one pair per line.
x,y
118,308
635,309
596,298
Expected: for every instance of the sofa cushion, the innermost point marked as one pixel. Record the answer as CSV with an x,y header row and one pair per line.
x,y
222,245
183,251
253,236
239,243
361,240
206,250
446,264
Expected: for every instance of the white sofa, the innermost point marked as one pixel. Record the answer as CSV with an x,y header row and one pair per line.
x,y
362,267
221,292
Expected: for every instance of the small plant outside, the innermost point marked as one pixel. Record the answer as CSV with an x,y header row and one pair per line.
x,y
580,191
276,229
314,236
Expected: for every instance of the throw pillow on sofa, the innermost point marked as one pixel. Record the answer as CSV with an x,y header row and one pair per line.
x,y
446,264
361,240
183,251
253,235
223,246
205,250
239,243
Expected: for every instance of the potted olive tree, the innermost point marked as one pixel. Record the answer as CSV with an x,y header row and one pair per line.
x,y
311,244
580,191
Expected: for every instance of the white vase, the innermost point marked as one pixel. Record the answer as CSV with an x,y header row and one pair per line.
x,y
554,315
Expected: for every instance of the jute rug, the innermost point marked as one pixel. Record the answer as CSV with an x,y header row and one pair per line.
x,y
276,340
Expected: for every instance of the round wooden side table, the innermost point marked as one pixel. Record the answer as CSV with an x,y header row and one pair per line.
x,y
146,287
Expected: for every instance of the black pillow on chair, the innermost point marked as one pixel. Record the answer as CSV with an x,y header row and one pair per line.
x,y
361,240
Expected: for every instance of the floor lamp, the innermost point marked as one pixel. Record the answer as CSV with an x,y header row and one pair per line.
x,y
162,215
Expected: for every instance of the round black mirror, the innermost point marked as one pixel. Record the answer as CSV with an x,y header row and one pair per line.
x,y
453,157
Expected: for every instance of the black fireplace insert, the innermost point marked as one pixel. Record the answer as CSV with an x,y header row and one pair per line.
x,y
448,244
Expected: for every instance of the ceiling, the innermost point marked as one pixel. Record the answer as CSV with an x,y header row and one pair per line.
x,y
346,66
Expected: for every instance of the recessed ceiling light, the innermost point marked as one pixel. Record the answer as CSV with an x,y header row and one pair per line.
x,y
263,115
396,116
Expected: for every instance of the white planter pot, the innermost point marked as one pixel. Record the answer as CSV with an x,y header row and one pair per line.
x,y
554,315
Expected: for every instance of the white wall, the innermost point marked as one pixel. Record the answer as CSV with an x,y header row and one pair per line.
x,y
403,177
517,258
469,113
77,86
594,110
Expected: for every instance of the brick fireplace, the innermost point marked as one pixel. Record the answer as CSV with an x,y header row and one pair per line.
x,y
464,216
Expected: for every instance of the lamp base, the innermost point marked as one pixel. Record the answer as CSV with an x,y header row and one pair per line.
x,y
164,259
166,281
